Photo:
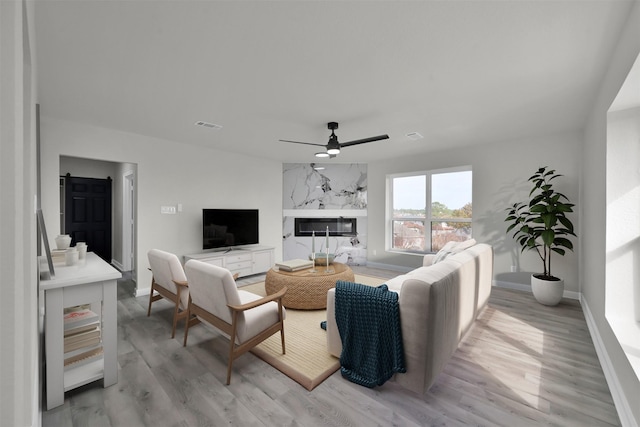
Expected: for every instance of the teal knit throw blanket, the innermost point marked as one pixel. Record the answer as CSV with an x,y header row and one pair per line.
x,y
368,319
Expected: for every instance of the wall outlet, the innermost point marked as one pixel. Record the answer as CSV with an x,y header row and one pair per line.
x,y
167,209
514,269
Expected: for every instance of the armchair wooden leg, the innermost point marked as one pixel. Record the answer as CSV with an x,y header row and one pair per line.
x,y
175,321
150,298
186,332
229,370
232,344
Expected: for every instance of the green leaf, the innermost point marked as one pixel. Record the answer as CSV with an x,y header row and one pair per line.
x,y
561,241
566,222
549,219
547,237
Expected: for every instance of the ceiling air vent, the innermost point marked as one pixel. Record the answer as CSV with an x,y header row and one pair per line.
x,y
208,125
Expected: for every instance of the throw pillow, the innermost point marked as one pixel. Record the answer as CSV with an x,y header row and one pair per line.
x,y
446,250
461,246
451,248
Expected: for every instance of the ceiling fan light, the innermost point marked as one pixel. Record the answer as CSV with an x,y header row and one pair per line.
x,y
333,151
322,154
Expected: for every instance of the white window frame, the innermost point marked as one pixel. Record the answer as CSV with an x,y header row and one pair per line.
x,y
428,219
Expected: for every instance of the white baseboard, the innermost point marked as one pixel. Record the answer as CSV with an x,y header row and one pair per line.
x,y
527,288
389,267
619,399
143,292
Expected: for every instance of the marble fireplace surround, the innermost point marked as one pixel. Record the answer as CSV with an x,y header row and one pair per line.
x,y
329,196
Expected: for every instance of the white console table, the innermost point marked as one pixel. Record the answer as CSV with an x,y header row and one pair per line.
x,y
245,261
90,281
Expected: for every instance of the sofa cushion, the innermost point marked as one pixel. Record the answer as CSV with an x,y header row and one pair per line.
x,y
461,246
451,248
420,273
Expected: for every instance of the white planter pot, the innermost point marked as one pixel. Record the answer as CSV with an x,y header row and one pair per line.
x,y
547,292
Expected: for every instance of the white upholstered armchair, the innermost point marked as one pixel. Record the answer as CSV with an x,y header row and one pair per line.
x,y
170,282
247,319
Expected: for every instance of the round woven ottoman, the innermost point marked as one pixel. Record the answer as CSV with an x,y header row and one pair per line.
x,y
306,290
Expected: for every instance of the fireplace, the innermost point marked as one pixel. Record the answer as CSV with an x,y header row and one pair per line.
x,y
337,226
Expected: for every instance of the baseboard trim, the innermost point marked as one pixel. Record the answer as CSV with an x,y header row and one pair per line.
x,y
527,288
389,267
619,399
143,292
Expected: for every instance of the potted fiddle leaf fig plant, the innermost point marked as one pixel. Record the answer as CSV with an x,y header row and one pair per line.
x,y
541,225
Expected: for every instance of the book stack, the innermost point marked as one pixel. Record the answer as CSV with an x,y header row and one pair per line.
x,y
82,337
57,256
294,265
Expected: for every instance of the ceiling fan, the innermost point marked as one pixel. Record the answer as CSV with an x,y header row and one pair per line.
x,y
333,146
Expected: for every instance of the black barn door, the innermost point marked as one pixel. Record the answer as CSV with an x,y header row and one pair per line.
x,y
88,213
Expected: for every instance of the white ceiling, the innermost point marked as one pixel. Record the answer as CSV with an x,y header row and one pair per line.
x,y
458,72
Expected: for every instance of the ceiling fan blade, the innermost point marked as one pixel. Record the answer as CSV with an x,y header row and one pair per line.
x,y
306,143
362,141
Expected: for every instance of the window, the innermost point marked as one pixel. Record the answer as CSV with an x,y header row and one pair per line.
x,y
429,209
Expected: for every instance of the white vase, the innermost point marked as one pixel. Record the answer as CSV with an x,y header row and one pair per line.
x,y
63,241
82,250
547,292
71,256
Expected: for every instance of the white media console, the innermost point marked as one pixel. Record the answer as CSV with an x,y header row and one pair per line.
x,y
245,260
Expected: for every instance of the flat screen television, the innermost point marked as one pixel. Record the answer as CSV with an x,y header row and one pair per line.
x,y
223,228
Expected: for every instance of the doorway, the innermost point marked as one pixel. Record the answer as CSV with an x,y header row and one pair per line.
x,y
123,206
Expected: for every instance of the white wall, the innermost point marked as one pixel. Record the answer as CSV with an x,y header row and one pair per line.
x,y
622,297
623,382
168,173
500,172
87,168
623,214
19,351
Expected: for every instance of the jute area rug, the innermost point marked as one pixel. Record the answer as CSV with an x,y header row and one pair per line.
x,y
307,360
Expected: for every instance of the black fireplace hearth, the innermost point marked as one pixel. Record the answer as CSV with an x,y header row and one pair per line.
x,y
337,226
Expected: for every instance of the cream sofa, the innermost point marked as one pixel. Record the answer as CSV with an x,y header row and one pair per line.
x,y
438,304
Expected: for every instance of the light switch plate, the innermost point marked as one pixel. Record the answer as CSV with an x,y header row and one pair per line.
x,y
168,209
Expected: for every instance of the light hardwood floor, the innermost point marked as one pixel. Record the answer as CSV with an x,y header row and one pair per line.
x,y
522,364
